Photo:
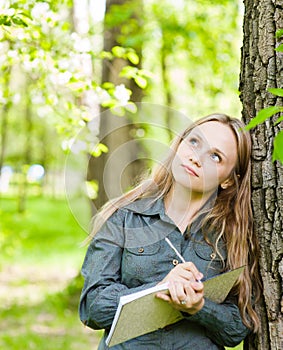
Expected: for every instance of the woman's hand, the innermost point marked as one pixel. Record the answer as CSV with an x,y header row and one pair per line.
x,y
183,273
186,293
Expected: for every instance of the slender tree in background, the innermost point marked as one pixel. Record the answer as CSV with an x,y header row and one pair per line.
x,y
27,154
4,114
116,132
262,68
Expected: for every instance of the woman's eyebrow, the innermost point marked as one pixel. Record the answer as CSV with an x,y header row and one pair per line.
x,y
218,151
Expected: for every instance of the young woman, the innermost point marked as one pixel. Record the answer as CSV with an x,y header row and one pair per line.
x,y
199,201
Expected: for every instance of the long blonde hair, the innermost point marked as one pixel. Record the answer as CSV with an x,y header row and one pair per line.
x,y
231,216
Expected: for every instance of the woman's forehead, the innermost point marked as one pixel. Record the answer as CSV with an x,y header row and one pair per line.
x,y
217,136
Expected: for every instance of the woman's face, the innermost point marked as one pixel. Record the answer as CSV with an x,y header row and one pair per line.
x,y
205,158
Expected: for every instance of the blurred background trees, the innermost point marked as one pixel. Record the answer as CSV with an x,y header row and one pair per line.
x,y
61,64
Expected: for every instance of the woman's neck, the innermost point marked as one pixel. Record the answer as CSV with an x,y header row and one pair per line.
x,y
182,205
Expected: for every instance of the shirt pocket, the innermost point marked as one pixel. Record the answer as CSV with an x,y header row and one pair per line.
x,y
210,261
141,264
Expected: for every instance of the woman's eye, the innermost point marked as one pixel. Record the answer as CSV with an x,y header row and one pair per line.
x,y
193,141
215,157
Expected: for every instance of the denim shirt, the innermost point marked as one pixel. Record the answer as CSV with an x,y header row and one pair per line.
x,y
130,254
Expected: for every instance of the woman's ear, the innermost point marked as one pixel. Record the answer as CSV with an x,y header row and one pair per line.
x,y
227,183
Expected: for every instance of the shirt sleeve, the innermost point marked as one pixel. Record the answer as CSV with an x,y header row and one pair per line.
x,y
223,322
102,274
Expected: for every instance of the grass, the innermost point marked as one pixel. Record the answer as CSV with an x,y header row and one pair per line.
x,y
46,231
39,277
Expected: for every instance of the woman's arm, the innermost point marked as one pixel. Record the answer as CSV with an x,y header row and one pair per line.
x,y
102,273
222,322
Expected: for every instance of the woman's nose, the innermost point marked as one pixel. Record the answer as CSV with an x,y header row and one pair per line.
x,y
195,159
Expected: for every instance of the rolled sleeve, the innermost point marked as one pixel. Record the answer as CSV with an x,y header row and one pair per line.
x,y
223,322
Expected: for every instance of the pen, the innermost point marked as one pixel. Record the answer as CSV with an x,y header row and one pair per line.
x,y
176,251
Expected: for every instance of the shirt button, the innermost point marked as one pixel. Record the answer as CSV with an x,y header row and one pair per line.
x,y
175,262
213,256
141,250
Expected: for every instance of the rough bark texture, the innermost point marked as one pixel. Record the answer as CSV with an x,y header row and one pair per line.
x,y
116,132
262,68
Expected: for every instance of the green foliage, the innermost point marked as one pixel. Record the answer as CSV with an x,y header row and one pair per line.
x,y
267,113
262,115
199,44
127,18
52,65
13,17
278,147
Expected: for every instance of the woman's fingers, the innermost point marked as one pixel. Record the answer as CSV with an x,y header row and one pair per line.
x,y
163,296
177,292
189,266
194,300
187,297
184,272
185,292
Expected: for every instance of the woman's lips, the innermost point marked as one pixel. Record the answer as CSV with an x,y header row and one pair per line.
x,y
189,170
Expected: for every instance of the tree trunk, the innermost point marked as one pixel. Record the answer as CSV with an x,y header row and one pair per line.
x,y
116,132
262,68
4,118
167,87
23,186
4,133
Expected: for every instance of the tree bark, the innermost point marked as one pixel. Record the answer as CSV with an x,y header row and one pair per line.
x,y
116,132
166,86
262,68
4,134
4,119
23,186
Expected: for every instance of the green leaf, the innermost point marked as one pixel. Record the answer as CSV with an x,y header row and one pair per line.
x,y
109,103
98,150
146,73
18,21
118,110
140,81
279,33
278,147
66,26
279,48
5,20
276,91
279,120
108,85
263,115
106,55
118,51
25,14
92,189
133,57
131,107
128,72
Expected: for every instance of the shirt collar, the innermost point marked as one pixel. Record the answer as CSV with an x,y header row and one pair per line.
x,y
148,206
151,206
